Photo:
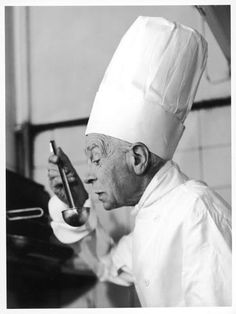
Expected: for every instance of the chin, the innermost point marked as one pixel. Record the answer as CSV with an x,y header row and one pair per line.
x,y
109,206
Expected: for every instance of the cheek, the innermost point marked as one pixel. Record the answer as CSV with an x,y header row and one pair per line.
x,y
113,176
109,182
105,175
110,178
121,180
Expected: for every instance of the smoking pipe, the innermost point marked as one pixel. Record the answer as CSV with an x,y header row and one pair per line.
x,y
73,216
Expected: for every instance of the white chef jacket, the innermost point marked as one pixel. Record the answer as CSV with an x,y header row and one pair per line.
x,y
179,253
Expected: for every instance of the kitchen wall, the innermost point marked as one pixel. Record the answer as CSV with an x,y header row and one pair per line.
x,y
56,59
10,95
70,48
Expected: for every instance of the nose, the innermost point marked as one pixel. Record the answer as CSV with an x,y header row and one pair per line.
x,y
90,178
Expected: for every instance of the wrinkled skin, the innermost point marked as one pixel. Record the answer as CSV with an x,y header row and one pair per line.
x,y
112,175
118,175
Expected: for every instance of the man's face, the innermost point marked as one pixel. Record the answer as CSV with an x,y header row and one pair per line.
x,y
109,175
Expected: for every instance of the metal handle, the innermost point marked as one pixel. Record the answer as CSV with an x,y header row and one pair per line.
x,y
14,214
63,178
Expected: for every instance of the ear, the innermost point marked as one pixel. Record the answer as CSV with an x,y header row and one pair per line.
x,y
139,158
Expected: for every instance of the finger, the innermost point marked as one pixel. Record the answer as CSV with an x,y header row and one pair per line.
x,y
56,178
52,170
72,179
60,193
53,173
56,182
54,159
69,170
52,165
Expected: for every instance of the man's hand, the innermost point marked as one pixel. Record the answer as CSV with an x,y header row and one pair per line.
x,y
78,191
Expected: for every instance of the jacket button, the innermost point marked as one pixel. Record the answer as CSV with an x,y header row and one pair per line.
x,y
147,282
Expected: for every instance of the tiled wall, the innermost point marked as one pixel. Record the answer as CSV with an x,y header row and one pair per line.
x,y
205,150
68,59
204,153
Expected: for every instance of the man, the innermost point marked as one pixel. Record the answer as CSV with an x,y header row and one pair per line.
x,y
179,252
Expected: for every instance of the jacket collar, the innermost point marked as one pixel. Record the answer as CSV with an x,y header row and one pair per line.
x,y
163,182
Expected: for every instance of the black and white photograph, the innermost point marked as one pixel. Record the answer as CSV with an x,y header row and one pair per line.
x,y
118,167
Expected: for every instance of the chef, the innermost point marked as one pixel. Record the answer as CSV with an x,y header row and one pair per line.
x,y
179,251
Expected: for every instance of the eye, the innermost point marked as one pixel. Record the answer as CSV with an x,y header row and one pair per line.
x,y
96,161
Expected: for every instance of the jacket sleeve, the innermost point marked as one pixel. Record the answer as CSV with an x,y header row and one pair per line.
x,y
109,261
206,275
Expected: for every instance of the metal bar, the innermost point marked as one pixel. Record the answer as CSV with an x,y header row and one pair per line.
x,y
15,214
37,128
212,103
205,104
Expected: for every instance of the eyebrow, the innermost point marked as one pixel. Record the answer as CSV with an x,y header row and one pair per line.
x,y
99,143
90,147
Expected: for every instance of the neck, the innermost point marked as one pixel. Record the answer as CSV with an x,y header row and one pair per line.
x,y
145,179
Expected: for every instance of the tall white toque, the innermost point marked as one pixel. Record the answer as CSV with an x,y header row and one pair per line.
x,y
150,84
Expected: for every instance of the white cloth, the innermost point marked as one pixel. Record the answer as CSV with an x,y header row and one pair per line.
x,y
179,253
64,232
181,243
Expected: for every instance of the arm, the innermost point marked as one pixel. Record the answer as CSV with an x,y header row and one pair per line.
x,y
109,262
206,275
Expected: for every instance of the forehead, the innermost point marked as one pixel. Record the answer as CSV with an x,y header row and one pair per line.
x,y
95,143
92,141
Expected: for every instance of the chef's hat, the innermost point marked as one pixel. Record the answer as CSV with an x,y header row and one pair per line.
x,y
150,84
